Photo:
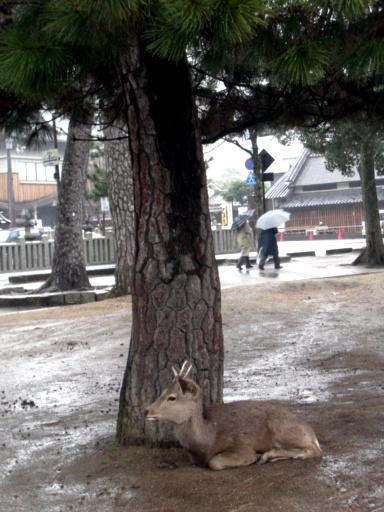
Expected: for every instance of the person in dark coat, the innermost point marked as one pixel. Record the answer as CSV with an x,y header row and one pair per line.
x,y
269,247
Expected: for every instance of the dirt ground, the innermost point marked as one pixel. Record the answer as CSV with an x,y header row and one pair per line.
x,y
315,346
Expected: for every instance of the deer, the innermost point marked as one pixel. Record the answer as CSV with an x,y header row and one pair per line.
x,y
232,434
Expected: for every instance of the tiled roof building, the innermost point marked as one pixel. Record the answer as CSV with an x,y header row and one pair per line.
x,y
317,197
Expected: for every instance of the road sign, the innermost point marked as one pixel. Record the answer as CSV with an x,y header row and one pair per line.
x,y
104,201
251,179
249,164
268,176
50,157
266,159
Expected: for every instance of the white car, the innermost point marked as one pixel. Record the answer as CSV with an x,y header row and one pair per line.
x,y
381,213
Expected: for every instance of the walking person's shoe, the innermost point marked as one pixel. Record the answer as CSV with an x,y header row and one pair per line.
x,y
239,263
248,263
262,261
277,263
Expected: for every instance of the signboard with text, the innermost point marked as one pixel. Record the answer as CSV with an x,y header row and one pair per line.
x,y
50,157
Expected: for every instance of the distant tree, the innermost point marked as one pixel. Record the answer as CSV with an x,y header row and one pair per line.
x,y
115,181
120,186
97,178
97,173
237,190
68,268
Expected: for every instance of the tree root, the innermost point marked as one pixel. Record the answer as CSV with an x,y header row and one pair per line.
x,y
362,259
50,286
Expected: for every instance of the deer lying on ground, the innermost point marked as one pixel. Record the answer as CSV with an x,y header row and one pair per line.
x,y
233,434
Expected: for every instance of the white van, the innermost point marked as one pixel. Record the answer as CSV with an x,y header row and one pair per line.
x,y
381,213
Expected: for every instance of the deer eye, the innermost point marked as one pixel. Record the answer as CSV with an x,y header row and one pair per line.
x,y
171,398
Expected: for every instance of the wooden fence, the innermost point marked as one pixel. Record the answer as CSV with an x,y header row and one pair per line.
x,y
29,256
22,256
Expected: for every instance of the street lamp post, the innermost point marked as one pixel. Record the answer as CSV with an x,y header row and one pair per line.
x,y
11,197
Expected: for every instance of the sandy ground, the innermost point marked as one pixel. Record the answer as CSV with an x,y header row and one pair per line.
x,y
315,346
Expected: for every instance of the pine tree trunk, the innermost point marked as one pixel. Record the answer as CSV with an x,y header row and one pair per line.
x,y
175,285
120,189
374,251
68,269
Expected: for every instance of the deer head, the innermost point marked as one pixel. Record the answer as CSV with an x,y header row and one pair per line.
x,y
179,402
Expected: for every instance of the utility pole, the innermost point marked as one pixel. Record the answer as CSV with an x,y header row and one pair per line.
x,y
57,172
259,187
11,197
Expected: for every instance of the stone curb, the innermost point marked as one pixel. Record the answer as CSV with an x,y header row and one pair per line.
x,y
301,254
339,251
31,277
46,300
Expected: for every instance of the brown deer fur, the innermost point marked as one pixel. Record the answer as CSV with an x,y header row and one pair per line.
x,y
233,434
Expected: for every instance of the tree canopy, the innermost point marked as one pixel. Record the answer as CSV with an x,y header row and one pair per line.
x,y
236,190
341,144
254,61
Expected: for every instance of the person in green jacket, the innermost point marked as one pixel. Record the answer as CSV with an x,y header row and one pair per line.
x,y
243,242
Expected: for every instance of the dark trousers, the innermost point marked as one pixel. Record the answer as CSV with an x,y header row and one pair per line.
x,y
264,257
243,259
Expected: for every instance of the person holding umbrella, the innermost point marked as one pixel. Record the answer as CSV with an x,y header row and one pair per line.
x,y
268,223
243,234
269,248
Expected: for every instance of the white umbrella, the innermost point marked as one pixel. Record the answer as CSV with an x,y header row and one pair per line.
x,y
272,219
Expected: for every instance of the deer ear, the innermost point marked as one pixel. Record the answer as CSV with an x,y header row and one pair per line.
x,y
188,387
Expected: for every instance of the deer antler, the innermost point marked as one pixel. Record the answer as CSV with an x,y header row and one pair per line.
x,y
184,372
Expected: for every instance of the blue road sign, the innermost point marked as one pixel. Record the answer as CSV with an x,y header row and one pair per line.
x,y
249,164
251,179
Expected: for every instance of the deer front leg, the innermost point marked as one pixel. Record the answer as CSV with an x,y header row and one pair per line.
x,y
232,459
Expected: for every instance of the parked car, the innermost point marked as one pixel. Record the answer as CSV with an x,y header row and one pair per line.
x,y
8,236
381,213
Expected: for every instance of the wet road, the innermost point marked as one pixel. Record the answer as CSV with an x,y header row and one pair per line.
x,y
300,267
295,268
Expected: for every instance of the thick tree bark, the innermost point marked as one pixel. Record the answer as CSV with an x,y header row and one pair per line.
x,y
373,254
120,189
175,285
68,269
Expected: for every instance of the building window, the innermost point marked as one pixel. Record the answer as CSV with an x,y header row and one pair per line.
x,y
40,173
34,171
319,187
21,170
31,171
